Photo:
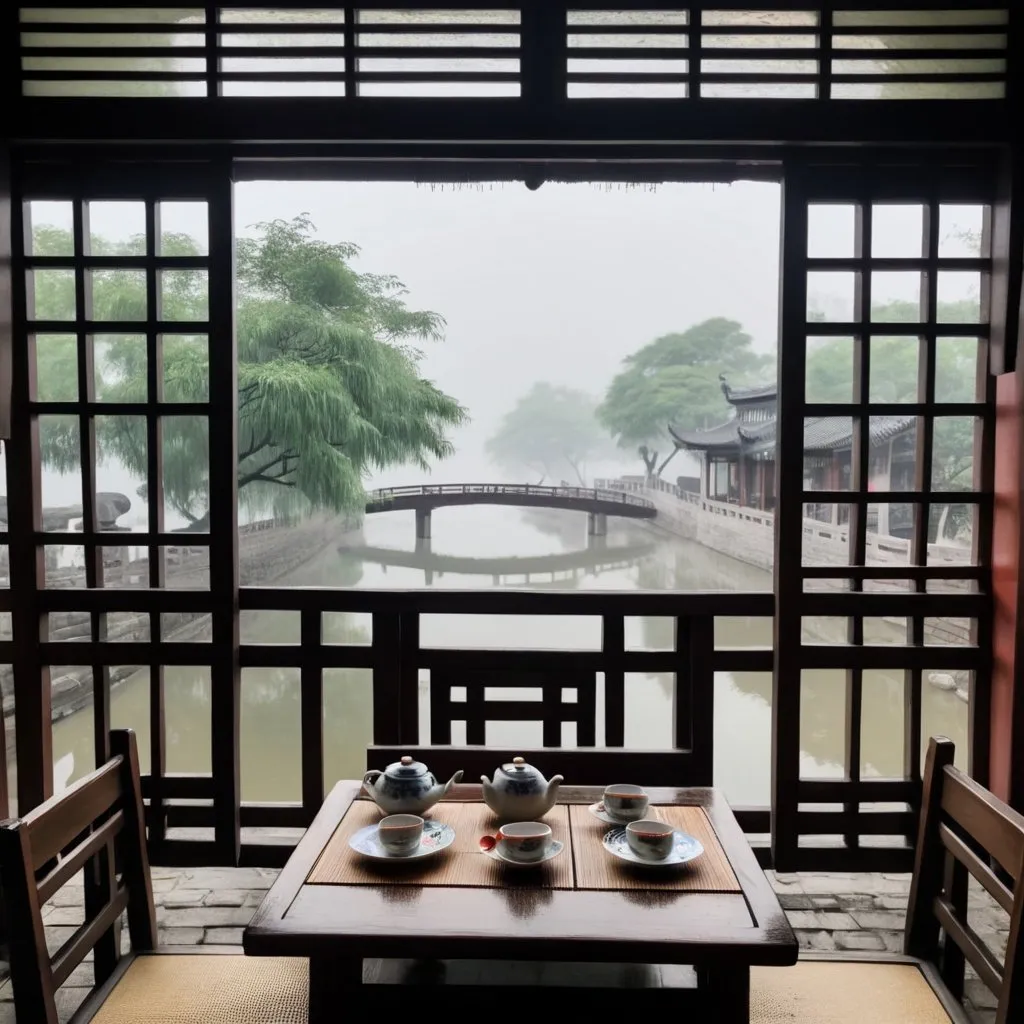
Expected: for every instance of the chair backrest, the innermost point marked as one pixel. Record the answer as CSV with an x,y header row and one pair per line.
x,y
966,830
97,825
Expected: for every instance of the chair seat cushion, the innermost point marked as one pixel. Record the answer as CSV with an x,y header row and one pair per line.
x,y
209,989
843,992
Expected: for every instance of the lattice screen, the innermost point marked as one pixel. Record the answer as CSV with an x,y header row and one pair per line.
x,y
955,50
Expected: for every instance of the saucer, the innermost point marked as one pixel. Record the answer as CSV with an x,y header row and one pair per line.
x,y
598,811
684,849
554,850
436,837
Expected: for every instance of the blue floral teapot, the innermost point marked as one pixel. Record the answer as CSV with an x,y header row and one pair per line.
x,y
406,787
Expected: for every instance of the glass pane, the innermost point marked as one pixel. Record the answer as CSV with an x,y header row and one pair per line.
x,y
961,231
824,629
829,370
121,472
830,296
59,448
826,534
894,369
184,295
743,737
185,226
347,628
827,443
63,565
740,631
129,707
951,530
897,230
649,701
117,228
953,444
50,294
187,711
896,296
271,744
959,297
348,723
186,464
957,370
944,709
831,230
186,360
49,228
116,294
186,567
893,453
56,367
822,723
650,633
119,367
890,527
270,627
881,723
74,750
126,565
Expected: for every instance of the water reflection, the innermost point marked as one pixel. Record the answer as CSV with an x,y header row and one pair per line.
x,y
465,553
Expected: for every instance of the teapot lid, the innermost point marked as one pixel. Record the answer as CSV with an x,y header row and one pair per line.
x,y
519,769
406,768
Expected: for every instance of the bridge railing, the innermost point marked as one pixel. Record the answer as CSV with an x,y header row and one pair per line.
x,y
383,494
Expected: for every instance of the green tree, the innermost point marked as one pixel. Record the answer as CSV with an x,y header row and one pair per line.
x,y
675,379
548,429
329,386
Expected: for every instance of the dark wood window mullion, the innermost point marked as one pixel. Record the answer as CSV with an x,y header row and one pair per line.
x,y
87,447
225,671
694,52
860,469
923,449
155,524
32,692
825,53
351,60
787,575
613,644
311,710
979,705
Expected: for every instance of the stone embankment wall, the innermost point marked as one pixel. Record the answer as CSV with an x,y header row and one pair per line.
x,y
267,552
748,535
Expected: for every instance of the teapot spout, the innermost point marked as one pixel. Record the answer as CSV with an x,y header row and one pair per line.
x,y
452,781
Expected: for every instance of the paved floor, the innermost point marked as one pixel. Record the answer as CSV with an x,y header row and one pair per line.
x,y
211,906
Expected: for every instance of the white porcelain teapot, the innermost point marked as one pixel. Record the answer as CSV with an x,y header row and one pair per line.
x,y
519,792
406,787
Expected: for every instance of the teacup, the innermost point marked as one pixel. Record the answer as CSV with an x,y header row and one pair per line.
x,y
649,839
625,803
522,841
400,833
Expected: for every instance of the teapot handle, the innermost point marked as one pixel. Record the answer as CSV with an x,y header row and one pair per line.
x,y
373,773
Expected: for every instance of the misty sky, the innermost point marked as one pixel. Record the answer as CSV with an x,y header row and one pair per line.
x,y
559,284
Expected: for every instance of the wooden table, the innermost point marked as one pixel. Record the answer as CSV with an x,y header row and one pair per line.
x,y
722,934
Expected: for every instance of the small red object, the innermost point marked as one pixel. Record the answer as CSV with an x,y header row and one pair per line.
x,y
488,843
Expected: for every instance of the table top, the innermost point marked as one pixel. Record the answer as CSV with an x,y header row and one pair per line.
x,y
525,923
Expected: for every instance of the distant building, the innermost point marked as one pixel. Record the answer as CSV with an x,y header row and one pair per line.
x,y
738,457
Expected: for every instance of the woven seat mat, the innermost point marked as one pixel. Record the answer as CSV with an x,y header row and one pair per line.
x,y
597,869
209,989
843,993
462,864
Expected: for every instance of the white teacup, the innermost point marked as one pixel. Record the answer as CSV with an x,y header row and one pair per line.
x,y
625,803
650,839
522,841
400,833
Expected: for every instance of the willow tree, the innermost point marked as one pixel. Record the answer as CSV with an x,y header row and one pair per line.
x,y
329,380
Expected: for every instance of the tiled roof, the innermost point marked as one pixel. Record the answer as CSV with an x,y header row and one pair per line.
x,y
821,433
753,393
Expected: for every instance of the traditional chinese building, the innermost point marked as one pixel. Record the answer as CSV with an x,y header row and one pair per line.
x,y
738,456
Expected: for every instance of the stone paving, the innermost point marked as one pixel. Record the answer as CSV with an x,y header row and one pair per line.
x,y
842,912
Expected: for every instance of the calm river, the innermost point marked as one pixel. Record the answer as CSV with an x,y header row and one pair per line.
x,y
635,558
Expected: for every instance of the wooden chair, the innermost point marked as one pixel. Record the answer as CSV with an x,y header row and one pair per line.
x,y
97,825
963,830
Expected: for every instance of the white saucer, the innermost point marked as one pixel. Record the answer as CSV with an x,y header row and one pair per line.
x,y
598,811
684,849
436,837
554,850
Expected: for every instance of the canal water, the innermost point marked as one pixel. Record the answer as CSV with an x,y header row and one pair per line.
x,y
635,557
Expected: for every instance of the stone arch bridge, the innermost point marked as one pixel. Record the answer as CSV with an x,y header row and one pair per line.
x,y
597,502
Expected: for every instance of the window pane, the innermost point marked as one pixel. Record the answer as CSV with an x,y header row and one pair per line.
x,y
831,230
117,228
897,230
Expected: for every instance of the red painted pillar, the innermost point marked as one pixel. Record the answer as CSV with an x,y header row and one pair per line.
x,y
1006,761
